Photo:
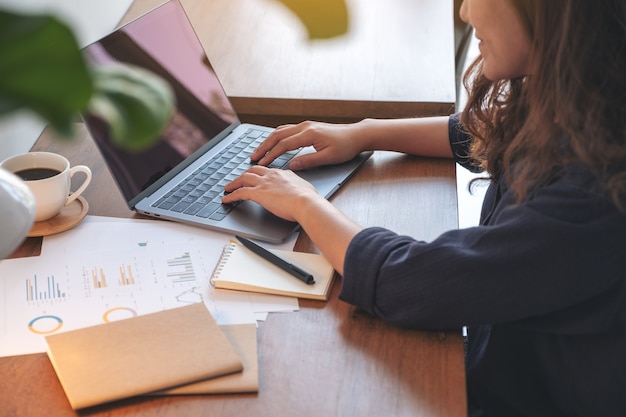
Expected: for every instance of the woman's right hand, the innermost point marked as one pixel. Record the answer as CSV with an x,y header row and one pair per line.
x,y
333,143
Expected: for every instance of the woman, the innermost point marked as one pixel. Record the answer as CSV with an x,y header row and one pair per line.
x,y
541,283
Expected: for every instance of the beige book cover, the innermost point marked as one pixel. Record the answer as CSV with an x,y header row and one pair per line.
x,y
244,341
243,270
139,355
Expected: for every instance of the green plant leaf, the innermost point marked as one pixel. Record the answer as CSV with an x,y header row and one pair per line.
x,y
135,103
41,68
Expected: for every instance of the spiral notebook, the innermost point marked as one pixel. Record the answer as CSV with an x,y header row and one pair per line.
x,y
242,270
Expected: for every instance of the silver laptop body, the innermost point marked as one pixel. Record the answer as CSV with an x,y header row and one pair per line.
x,y
205,127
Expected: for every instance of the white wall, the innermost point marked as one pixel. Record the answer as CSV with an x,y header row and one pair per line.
x,y
18,132
469,205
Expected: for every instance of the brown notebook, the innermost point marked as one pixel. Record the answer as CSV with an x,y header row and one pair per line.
x,y
139,355
241,269
243,339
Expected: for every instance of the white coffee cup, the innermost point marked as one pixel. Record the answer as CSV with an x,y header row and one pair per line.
x,y
48,175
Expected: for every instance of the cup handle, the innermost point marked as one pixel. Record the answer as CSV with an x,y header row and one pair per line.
x,y
85,170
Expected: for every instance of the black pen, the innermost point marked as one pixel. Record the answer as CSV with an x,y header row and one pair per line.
x,y
279,262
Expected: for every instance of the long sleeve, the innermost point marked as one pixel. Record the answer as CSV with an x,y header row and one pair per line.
x,y
529,260
460,143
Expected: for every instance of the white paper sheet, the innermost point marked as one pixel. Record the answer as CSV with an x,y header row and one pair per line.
x,y
108,269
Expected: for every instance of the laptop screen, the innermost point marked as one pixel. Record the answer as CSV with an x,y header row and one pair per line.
x,y
164,42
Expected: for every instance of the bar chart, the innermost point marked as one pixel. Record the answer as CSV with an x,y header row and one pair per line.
x,y
43,289
180,269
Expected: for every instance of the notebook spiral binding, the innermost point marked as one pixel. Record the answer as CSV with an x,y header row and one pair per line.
x,y
228,249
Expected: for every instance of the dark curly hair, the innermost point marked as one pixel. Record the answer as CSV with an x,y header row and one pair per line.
x,y
571,109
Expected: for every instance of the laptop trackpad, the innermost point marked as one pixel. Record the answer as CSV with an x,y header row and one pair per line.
x,y
327,179
250,217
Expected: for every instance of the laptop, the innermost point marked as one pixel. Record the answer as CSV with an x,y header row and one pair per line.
x,y
181,177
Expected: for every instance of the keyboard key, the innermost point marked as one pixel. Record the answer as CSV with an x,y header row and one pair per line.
x,y
208,210
255,134
181,206
159,201
204,200
194,208
166,205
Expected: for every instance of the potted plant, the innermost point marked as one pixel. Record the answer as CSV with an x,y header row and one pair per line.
x,y
43,70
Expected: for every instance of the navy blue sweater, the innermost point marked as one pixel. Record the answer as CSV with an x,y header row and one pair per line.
x,y
540,285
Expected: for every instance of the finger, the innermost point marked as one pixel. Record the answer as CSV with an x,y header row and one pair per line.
x,y
237,183
234,191
233,186
288,138
291,143
246,179
258,170
239,188
310,160
232,197
276,136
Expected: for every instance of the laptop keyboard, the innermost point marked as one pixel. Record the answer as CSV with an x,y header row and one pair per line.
x,y
200,193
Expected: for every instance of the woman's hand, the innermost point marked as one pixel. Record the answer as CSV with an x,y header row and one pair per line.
x,y
281,192
334,143
288,196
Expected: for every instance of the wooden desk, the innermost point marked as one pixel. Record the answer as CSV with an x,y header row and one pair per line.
x,y
328,359
397,60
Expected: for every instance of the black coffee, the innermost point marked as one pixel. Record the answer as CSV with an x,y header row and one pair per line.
x,y
32,174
